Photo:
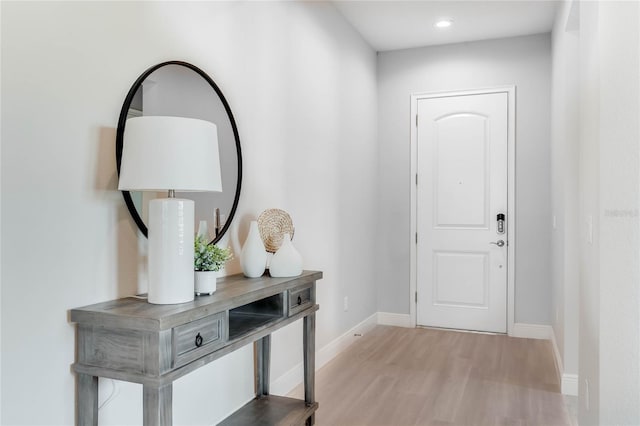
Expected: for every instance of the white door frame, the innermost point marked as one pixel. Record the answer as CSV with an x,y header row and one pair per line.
x,y
511,178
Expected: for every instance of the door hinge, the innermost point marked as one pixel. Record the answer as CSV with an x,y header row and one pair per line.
x,y
416,238
416,120
416,179
416,296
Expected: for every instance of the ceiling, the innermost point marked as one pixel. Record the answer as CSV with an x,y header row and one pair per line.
x,y
392,25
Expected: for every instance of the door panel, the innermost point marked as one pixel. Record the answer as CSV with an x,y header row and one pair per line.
x,y
462,169
460,279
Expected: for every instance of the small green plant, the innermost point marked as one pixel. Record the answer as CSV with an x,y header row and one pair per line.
x,y
209,257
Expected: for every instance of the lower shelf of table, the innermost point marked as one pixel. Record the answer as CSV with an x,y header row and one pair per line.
x,y
271,410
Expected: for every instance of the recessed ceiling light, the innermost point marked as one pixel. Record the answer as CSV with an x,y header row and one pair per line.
x,y
444,23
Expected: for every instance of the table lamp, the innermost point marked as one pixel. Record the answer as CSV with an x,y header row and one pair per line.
x,y
170,154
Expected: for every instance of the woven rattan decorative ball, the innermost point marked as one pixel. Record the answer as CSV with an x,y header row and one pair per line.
x,y
273,224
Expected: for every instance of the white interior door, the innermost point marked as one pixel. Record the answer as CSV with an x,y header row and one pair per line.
x,y
462,187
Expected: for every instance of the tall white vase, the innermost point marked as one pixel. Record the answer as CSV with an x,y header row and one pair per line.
x,y
253,258
287,262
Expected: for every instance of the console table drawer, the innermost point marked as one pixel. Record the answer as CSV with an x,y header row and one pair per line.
x,y
300,299
197,338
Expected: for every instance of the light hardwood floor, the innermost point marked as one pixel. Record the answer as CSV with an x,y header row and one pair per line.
x,y
398,376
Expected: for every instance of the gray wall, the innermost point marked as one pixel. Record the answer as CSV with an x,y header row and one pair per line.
x,y
521,61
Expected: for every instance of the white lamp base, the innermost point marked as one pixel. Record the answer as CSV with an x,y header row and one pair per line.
x,y
171,251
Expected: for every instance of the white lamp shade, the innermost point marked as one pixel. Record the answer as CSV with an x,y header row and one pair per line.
x,y
170,153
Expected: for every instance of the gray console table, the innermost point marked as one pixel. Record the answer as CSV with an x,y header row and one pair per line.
x,y
129,339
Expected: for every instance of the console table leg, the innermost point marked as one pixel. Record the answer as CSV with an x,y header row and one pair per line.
x,y
87,400
263,352
309,344
157,405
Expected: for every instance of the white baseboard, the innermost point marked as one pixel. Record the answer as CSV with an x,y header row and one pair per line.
x,y
288,381
556,356
397,320
569,384
292,378
330,351
531,331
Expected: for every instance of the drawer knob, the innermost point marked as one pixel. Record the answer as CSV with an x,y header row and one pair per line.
x,y
299,300
198,340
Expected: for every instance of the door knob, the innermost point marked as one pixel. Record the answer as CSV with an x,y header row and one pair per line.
x,y
499,243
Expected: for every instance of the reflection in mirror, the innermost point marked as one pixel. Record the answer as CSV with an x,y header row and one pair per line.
x,y
182,90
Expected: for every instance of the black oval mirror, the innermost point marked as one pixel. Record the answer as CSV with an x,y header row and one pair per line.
x,y
176,88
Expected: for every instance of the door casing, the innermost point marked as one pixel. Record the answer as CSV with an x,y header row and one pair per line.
x,y
511,159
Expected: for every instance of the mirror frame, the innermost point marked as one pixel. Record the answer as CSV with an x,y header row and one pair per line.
x,y
120,141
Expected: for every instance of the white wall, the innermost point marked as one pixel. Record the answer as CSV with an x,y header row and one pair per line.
x,y
522,61
607,236
1,225
565,158
302,86
589,338
619,161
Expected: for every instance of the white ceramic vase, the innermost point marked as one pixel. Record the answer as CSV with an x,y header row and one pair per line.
x,y
287,262
205,282
253,258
